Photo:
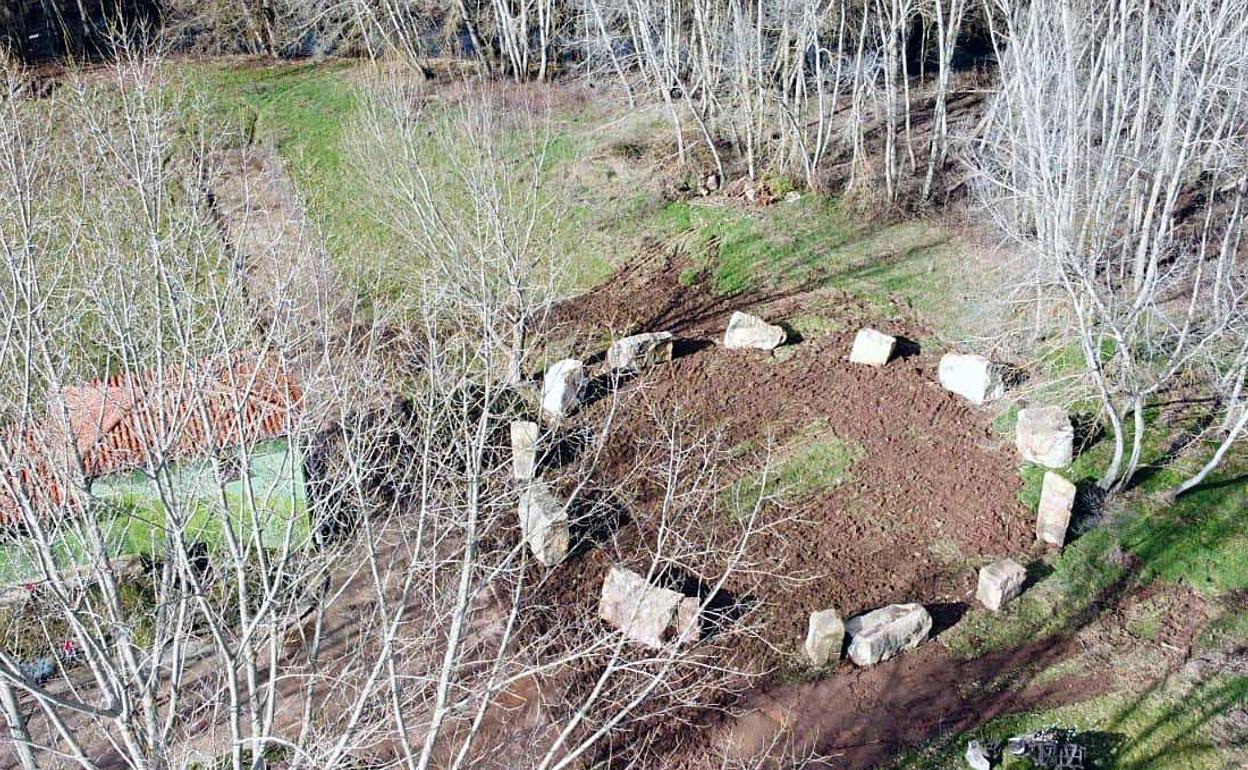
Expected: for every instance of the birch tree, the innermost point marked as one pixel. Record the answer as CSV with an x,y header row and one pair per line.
x,y
1107,119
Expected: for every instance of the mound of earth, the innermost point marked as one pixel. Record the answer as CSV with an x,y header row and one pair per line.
x,y
931,489
931,493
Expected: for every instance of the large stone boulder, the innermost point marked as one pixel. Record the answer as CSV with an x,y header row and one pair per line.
x,y
977,756
562,388
825,633
1045,436
971,376
640,351
1057,500
544,524
872,348
881,634
523,450
645,613
749,331
1000,583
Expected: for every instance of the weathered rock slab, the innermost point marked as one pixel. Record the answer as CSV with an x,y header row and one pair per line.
x,y
1000,583
544,524
825,634
1045,436
750,331
880,634
977,756
1057,500
640,351
645,613
562,388
523,450
872,348
971,376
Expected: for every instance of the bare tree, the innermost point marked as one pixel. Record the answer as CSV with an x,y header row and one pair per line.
x,y
790,84
145,413
268,27
387,610
1106,120
490,267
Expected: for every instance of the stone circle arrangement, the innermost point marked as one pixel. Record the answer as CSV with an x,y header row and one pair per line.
x,y
654,617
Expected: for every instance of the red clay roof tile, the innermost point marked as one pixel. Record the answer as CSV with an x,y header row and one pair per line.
x,y
128,421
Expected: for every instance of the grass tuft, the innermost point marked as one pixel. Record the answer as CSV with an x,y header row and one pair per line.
x,y
817,462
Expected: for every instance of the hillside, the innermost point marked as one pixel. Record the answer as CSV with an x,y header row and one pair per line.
x,y
441,268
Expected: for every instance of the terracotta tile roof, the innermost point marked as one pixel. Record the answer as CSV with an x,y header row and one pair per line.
x,y
124,421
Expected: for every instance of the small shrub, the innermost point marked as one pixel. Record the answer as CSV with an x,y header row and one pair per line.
x,y
629,149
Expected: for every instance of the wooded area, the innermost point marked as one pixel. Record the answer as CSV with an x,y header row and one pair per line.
x,y
396,613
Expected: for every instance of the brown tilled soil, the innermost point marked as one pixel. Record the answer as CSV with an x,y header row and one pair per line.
x,y
933,490
933,496
863,718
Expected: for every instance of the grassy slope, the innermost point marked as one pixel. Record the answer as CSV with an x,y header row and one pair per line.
x,y
815,243
1201,542
305,112
308,112
1162,727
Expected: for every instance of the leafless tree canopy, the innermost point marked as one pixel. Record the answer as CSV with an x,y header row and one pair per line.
x,y
1114,155
402,622
397,622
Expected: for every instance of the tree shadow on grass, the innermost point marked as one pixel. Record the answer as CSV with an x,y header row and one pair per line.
x,y
1228,483
1194,429
1171,732
866,717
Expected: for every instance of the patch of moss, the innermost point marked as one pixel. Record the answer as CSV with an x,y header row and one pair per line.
x,y
689,276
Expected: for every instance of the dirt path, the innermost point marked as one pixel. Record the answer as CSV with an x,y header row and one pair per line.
x,y
290,280
861,718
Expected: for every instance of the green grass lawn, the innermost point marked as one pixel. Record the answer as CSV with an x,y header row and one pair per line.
x,y
308,112
1199,542
312,114
270,499
816,461
304,111
813,243
1162,728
